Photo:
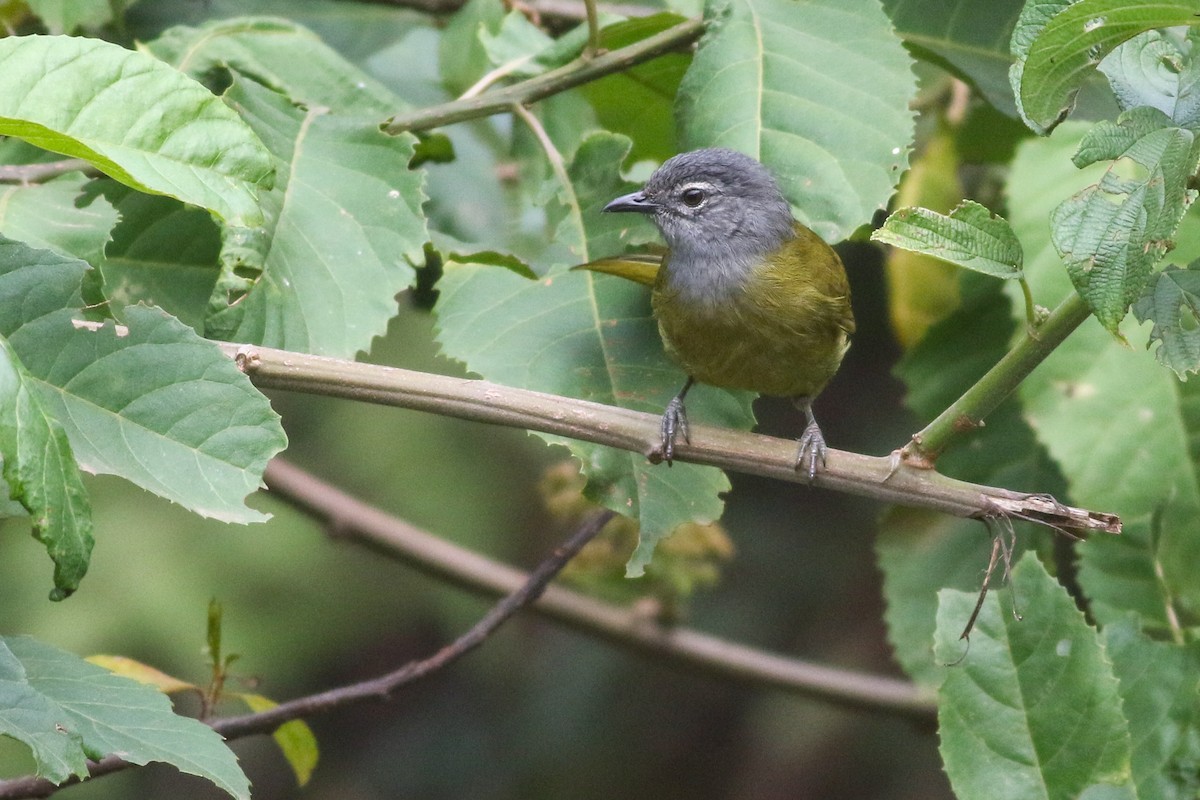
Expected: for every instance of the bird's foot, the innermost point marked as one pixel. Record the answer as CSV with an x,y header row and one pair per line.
x,y
674,423
812,450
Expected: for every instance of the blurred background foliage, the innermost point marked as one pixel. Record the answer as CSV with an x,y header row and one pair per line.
x,y
538,712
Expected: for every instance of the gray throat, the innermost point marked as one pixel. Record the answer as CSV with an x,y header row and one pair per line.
x,y
712,273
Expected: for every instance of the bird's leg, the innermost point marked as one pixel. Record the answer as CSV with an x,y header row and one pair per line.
x,y
674,421
812,442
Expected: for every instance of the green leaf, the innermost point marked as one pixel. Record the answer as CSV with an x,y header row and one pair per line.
x,y
777,80
517,46
919,551
142,673
66,710
133,117
281,54
151,402
971,237
971,40
1158,685
1172,302
345,229
590,336
1114,421
637,102
1157,69
57,215
1111,234
213,635
67,16
1058,43
450,249
295,739
162,253
1032,708
41,475
461,58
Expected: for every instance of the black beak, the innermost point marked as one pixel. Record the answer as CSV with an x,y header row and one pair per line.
x,y
637,201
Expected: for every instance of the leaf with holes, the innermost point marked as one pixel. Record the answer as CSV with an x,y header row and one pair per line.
x,y
1111,234
1172,302
1058,43
150,401
1142,467
1158,69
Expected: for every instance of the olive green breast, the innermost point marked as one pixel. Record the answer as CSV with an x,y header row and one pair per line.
x,y
781,330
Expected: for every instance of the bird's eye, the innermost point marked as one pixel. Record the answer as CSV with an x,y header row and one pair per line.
x,y
693,197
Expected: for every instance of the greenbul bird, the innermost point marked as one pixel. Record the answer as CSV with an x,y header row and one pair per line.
x,y
745,297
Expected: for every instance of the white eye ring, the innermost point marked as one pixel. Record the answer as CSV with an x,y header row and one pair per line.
x,y
692,197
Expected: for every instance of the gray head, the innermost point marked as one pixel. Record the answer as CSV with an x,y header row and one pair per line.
x,y
713,202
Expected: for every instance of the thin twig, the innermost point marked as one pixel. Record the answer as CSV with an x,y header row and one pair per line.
x,y
565,10
880,478
580,71
35,173
593,24
375,689
382,687
366,525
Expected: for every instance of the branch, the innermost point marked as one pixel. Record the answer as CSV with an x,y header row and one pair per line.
x,y
352,519
967,413
522,594
34,173
525,592
881,478
566,10
364,524
568,76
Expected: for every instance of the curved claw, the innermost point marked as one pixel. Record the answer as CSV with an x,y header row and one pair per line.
x,y
674,423
812,450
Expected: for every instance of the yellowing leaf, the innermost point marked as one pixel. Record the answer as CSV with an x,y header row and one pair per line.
x,y
295,739
142,673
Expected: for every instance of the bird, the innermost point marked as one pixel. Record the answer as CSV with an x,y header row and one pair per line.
x,y
745,296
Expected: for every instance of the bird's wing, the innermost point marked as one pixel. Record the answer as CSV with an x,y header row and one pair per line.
x,y
639,268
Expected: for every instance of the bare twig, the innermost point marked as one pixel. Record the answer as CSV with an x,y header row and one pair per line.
x,y
580,71
34,173
881,478
593,24
382,687
565,10
364,524
375,689
360,522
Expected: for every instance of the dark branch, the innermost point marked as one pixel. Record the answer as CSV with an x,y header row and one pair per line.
x,y
374,689
383,686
